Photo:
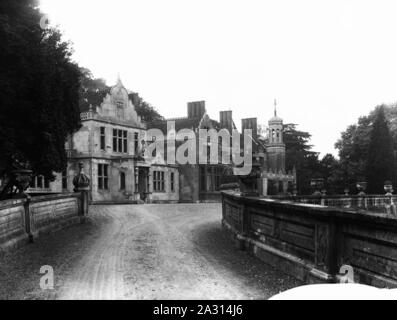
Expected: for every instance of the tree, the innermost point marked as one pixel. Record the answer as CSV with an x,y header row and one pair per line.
x,y
380,156
331,172
354,146
39,91
147,112
92,90
300,156
353,151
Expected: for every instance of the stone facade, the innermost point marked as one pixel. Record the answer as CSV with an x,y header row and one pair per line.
x,y
269,152
110,145
199,182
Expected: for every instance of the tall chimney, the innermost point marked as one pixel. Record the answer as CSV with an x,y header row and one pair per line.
x,y
226,120
195,109
250,123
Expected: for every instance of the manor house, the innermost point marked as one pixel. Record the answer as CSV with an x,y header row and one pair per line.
x,y
111,144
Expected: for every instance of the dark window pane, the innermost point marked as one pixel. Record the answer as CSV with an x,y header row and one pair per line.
x,y
122,180
114,144
136,143
100,185
39,182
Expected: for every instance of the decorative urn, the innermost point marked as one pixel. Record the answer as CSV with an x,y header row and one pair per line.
x,y
318,186
388,188
21,178
361,187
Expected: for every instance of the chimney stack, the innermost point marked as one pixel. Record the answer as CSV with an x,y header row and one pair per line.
x,y
226,120
195,109
250,123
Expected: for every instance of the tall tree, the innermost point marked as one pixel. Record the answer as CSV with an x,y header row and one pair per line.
x,y
354,146
39,91
300,156
353,152
381,162
331,172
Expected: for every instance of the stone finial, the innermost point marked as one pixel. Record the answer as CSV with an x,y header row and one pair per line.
x,y
81,181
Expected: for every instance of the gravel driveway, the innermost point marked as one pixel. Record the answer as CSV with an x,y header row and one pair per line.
x,y
141,252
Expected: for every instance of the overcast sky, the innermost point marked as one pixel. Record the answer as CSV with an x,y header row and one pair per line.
x,y
326,62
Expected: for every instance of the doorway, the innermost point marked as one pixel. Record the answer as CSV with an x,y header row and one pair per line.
x,y
143,183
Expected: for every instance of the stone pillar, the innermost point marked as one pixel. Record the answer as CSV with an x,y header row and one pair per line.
x,y
81,184
264,186
249,183
28,220
285,187
136,183
149,186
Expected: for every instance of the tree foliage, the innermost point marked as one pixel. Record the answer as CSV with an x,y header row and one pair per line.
x,y
330,171
92,90
39,91
380,157
357,153
300,156
147,112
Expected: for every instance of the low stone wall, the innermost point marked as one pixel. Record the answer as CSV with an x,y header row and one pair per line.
x,y
312,242
22,220
12,222
374,203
